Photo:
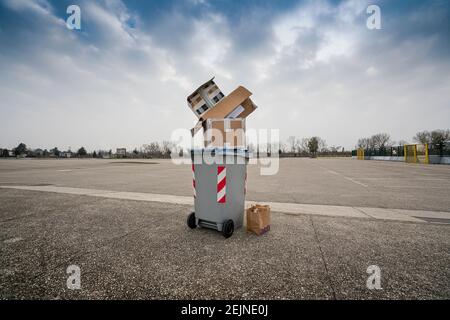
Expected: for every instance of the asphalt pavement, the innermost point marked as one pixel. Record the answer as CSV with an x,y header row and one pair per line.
x,y
136,248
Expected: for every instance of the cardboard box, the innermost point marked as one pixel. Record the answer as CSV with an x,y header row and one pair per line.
x,y
228,133
235,105
204,98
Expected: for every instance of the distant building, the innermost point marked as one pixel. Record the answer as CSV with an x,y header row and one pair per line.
x,y
121,152
65,154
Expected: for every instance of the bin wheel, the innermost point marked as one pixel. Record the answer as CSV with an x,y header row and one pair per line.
x,y
228,228
191,220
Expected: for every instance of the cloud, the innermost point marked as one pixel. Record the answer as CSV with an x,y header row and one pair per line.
x,y
41,6
314,69
371,71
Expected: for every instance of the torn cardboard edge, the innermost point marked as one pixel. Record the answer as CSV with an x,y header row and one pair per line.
x,y
236,104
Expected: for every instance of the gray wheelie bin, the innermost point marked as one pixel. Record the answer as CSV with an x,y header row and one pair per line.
x,y
219,188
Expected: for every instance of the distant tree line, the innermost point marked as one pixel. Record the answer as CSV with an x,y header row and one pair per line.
x,y
23,151
315,146
300,147
437,140
151,150
377,141
294,147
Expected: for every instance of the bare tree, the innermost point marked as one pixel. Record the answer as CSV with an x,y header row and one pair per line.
x,y
282,147
166,148
439,138
303,145
322,144
436,139
363,143
152,149
372,143
377,141
263,149
422,137
273,148
292,142
381,140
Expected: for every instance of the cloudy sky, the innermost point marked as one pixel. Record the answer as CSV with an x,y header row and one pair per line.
x,y
313,66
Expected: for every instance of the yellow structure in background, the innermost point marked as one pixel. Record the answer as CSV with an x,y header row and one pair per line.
x,y
416,153
360,154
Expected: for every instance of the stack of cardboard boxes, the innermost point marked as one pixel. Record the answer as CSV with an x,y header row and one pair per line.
x,y
223,121
221,117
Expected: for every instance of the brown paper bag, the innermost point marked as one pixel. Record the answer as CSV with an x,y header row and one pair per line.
x,y
258,219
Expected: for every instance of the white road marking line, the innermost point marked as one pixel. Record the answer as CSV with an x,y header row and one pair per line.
x,y
413,187
404,178
357,182
345,177
289,208
64,170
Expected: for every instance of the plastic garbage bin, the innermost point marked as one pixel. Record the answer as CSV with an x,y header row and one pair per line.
x,y
219,177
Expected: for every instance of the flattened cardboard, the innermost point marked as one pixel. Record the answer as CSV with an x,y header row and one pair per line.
x,y
225,106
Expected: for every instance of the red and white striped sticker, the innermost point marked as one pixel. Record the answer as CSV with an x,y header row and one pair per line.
x,y
193,180
221,184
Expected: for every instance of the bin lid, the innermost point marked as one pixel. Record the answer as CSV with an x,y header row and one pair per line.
x,y
221,151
